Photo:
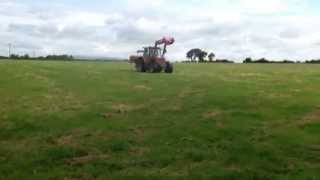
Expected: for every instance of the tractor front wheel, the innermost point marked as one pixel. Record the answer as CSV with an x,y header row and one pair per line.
x,y
154,68
168,68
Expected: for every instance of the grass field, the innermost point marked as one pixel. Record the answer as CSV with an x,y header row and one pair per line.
x,y
86,120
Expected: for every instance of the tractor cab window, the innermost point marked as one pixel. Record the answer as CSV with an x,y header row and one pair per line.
x,y
152,52
146,52
155,52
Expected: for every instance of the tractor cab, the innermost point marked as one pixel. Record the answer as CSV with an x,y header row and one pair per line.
x,y
152,52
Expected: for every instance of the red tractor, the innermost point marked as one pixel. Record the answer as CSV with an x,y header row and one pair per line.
x,y
152,58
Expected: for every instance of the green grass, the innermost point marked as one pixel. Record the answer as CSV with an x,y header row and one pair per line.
x,y
86,120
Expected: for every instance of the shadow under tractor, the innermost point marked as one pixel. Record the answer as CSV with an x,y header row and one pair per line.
x,y
152,59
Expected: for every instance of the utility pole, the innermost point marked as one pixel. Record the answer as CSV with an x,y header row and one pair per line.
x,y
9,49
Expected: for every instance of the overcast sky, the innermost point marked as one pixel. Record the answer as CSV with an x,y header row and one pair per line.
x,y
235,29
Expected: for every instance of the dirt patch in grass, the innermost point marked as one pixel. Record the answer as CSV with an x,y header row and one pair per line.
x,y
310,118
296,90
189,92
315,148
107,115
138,134
212,114
73,102
220,125
257,75
57,101
172,107
175,108
63,140
71,138
234,168
279,95
86,159
30,75
142,87
122,108
313,158
139,151
137,131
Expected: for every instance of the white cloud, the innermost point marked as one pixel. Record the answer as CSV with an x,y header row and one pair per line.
x,y
270,6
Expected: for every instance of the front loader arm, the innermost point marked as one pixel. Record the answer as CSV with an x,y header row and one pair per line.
x,y
166,41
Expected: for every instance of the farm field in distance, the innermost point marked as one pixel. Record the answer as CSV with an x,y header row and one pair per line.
x,y
97,120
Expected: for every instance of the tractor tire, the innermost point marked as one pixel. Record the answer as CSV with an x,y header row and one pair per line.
x,y
158,68
154,68
168,68
140,66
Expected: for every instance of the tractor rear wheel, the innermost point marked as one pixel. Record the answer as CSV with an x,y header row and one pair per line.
x,y
140,66
168,68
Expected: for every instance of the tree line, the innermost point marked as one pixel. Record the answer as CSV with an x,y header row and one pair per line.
x,y
63,57
199,55
266,61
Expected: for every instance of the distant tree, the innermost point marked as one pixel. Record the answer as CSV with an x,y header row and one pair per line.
x,y
286,61
248,60
313,61
193,54
262,60
26,56
223,61
211,56
63,57
14,56
202,55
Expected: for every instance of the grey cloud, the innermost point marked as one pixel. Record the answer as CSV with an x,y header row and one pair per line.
x,y
76,32
51,31
22,28
51,13
290,33
33,30
130,33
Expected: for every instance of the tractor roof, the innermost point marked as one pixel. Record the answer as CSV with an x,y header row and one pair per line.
x,y
152,47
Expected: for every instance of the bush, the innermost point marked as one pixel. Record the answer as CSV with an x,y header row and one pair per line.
x,y
264,60
313,61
